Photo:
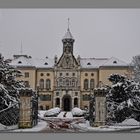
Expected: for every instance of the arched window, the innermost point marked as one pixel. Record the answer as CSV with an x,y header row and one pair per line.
x,y
73,82
41,107
41,83
57,102
48,84
26,83
47,107
67,82
75,102
92,84
60,82
86,84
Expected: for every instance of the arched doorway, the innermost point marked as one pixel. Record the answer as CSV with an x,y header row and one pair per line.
x,y
66,103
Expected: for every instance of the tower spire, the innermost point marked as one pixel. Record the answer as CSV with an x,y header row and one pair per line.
x,y
68,23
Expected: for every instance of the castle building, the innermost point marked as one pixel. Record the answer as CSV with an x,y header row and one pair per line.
x,y
67,82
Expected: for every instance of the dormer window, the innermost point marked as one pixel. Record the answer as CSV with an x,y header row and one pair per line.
x,y
114,62
19,62
88,63
45,63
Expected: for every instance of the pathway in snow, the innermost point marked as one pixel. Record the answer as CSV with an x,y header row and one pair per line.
x,y
61,114
69,115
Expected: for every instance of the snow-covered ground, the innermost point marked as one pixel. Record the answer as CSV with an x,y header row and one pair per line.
x,y
129,122
129,125
85,127
40,126
41,113
4,128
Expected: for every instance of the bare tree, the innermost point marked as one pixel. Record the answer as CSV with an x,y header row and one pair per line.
x,y
136,68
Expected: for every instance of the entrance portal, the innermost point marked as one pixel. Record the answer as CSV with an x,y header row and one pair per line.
x,y
66,102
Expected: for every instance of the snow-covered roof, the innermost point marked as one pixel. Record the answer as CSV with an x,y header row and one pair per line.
x,y
44,63
101,62
68,35
30,62
114,62
23,61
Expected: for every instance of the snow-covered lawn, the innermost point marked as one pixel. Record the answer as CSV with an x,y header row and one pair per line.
x,y
78,124
85,127
127,125
4,128
40,126
129,122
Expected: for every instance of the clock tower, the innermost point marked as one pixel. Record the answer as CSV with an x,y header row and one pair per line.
x,y
67,60
68,42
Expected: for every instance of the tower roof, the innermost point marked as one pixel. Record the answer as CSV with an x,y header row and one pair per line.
x,y
68,35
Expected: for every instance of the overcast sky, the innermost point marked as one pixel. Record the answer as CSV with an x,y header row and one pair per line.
x,y
97,32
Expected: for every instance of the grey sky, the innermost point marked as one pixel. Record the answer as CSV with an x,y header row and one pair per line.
x,y
97,32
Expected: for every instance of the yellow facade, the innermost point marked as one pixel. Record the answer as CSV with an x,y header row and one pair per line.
x,y
106,71
31,78
97,74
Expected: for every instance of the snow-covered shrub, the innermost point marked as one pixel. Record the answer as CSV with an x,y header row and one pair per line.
x,y
53,112
77,112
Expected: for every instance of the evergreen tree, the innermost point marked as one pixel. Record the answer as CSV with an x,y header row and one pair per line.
x,y
9,92
123,99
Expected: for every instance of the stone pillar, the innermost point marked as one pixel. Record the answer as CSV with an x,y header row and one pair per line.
x,y
79,101
100,106
72,102
60,102
91,109
28,115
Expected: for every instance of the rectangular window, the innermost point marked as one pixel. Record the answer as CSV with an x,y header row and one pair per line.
x,y
45,97
26,74
57,93
47,107
76,93
86,97
26,83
